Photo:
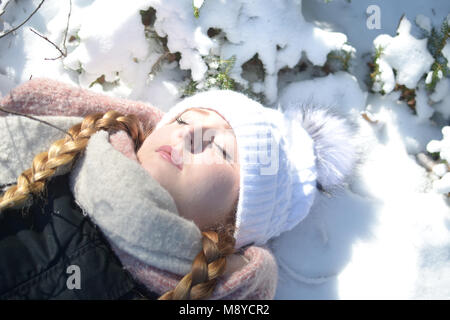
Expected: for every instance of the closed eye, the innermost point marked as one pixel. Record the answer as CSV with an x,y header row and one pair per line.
x,y
224,153
181,121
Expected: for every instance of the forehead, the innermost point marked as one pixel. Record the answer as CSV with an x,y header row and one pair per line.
x,y
208,115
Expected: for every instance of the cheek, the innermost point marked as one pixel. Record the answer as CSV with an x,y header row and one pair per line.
x,y
150,161
144,155
146,152
146,146
213,189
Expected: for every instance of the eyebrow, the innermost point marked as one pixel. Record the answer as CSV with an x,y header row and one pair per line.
x,y
204,112
200,111
197,110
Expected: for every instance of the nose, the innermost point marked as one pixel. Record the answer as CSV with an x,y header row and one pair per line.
x,y
192,138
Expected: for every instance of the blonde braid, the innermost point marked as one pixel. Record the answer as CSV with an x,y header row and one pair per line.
x,y
64,151
207,267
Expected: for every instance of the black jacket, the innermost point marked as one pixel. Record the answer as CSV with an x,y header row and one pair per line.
x,y
52,251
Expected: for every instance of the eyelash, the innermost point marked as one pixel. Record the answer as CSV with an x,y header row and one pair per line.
x,y
224,153
180,121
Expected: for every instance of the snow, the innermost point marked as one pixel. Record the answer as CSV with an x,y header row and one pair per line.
x,y
198,3
423,22
441,90
440,169
242,23
443,185
369,236
385,80
429,77
102,50
386,235
442,146
423,108
5,85
446,53
342,90
3,6
406,54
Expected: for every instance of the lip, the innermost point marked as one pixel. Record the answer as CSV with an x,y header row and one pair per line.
x,y
168,153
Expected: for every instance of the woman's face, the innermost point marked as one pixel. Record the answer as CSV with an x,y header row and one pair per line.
x,y
195,159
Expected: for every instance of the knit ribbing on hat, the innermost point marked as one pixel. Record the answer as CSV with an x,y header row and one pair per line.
x,y
274,196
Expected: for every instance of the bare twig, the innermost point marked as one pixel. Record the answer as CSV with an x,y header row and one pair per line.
x,y
3,10
62,54
160,59
36,119
67,28
47,39
15,28
426,161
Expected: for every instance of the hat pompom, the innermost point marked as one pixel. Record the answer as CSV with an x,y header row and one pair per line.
x,y
334,145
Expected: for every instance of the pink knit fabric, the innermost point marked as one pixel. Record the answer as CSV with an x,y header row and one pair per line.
x,y
121,141
52,98
257,280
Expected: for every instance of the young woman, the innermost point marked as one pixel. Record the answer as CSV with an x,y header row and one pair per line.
x,y
197,193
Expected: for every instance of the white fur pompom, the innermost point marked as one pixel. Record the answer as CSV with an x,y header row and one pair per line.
x,y
334,144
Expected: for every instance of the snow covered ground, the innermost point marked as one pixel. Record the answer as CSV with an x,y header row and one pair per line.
x,y
387,235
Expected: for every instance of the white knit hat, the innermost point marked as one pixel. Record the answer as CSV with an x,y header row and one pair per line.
x,y
282,157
